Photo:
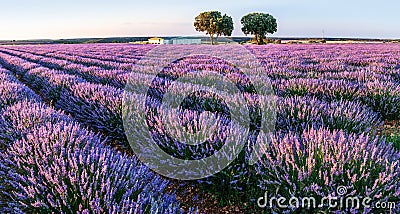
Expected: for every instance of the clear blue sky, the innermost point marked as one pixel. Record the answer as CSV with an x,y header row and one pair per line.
x,y
33,19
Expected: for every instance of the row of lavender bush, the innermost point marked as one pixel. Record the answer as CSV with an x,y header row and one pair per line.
x,y
92,74
318,162
98,106
119,53
383,97
52,164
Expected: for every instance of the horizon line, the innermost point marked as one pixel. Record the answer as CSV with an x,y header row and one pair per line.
x,y
201,36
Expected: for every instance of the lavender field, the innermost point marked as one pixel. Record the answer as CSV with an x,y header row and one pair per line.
x,y
64,148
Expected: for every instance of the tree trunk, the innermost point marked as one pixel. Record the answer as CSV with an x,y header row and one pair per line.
x,y
212,39
258,39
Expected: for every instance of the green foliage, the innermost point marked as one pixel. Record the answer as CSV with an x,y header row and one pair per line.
x,y
269,41
394,138
316,41
225,26
213,23
259,24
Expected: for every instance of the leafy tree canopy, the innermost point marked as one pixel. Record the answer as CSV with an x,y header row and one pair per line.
x,y
214,24
259,24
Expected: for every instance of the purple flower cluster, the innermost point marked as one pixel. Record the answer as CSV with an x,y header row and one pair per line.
x,y
322,89
20,118
93,74
317,162
95,105
91,54
49,163
334,72
61,167
6,76
98,106
296,114
12,91
384,97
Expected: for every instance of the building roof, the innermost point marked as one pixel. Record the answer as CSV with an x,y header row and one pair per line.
x,y
155,38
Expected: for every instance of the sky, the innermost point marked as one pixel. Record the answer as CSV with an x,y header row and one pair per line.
x,y
51,19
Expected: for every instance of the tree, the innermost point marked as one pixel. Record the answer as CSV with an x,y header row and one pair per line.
x,y
213,23
259,24
225,26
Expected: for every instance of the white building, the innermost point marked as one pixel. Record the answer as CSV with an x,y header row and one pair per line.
x,y
156,40
183,41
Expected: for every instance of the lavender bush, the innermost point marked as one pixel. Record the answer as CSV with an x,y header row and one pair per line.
x,y
329,90
95,105
384,97
57,167
6,76
297,114
317,162
104,74
11,93
92,104
23,117
61,167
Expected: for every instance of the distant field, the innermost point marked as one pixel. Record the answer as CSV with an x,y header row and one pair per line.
x,y
204,40
64,148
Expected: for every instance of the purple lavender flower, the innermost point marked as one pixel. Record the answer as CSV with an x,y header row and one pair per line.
x,y
296,114
21,118
61,167
317,162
